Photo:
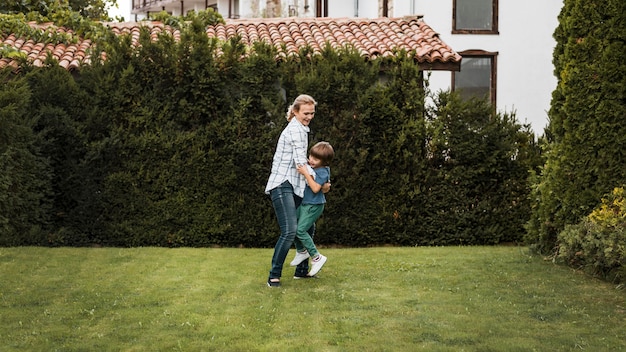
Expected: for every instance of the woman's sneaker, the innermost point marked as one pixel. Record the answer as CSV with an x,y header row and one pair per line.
x,y
300,257
316,264
274,283
299,277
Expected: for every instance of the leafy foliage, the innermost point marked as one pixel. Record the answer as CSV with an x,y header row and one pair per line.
x,y
202,18
91,9
25,180
170,143
598,243
17,24
477,181
585,157
75,27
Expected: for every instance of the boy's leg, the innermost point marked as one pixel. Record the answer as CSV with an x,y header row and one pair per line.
x,y
302,270
311,231
296,241
307,215
299,246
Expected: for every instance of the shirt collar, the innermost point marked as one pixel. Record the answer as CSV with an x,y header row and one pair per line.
x,y
300,125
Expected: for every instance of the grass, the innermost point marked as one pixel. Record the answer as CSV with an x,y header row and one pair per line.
x,y
375,299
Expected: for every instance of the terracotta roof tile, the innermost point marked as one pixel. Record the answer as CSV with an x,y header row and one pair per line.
x,y
372,38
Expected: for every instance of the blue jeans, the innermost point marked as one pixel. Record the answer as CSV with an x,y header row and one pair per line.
x,y
285,203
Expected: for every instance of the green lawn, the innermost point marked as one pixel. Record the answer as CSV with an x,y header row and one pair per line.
x,y
374,299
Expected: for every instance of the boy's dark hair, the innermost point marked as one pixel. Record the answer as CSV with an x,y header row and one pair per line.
x,y
323,151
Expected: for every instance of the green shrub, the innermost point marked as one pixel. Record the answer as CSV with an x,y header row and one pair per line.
x,y
170,144
25,174
598,243
587,130
58,106
477,182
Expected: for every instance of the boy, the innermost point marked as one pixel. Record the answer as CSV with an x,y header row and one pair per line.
x,y
312,206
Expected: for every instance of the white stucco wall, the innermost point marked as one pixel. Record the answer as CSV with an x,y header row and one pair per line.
x,y
122,10
353,8
525,78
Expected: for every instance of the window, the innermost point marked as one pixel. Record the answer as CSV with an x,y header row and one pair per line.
x,y
383,7
233,9
475,17
477,77
321,8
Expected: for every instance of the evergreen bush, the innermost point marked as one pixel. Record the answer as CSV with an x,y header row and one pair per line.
x,y
479,163
171,143
597,244
25,174
585,157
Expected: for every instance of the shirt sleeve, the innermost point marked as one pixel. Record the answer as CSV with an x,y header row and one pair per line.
x,y
322,175
298,142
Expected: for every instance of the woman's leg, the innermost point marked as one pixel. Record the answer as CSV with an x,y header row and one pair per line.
x,y
285,209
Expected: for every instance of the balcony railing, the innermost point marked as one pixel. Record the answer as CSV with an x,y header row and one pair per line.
x,y
142,4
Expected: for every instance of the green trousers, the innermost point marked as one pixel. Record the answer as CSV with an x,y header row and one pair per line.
x,y
307,216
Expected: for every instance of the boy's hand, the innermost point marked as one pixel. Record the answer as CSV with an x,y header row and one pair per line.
x,y
326,187
302,169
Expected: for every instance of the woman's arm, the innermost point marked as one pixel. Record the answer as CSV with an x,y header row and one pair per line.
x,y
298,140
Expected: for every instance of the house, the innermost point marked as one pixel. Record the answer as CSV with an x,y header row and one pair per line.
x,y
507,46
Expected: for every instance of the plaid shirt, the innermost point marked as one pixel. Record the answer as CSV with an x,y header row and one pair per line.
x,y
291,150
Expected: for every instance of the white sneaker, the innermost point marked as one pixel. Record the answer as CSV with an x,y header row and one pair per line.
x,y
300,257
317,264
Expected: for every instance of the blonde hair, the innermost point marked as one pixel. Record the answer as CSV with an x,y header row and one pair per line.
x,y
302,99
323,151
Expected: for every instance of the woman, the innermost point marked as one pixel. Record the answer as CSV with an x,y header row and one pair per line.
x,y
286,186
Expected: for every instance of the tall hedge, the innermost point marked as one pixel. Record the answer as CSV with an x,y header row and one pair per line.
x,y
25,174
477,184
170,144
182,141
58,104
587,129
376,125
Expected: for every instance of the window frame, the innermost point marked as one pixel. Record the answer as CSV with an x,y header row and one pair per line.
x,y
321,8
493,57
233,9
494,21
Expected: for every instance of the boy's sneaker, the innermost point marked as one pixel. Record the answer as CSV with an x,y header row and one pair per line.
x,y
300,257
316,264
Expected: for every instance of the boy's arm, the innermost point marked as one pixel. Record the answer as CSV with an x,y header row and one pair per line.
x,y
315,187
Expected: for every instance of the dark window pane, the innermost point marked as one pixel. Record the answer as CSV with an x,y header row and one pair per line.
x,y
474,80
474,14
